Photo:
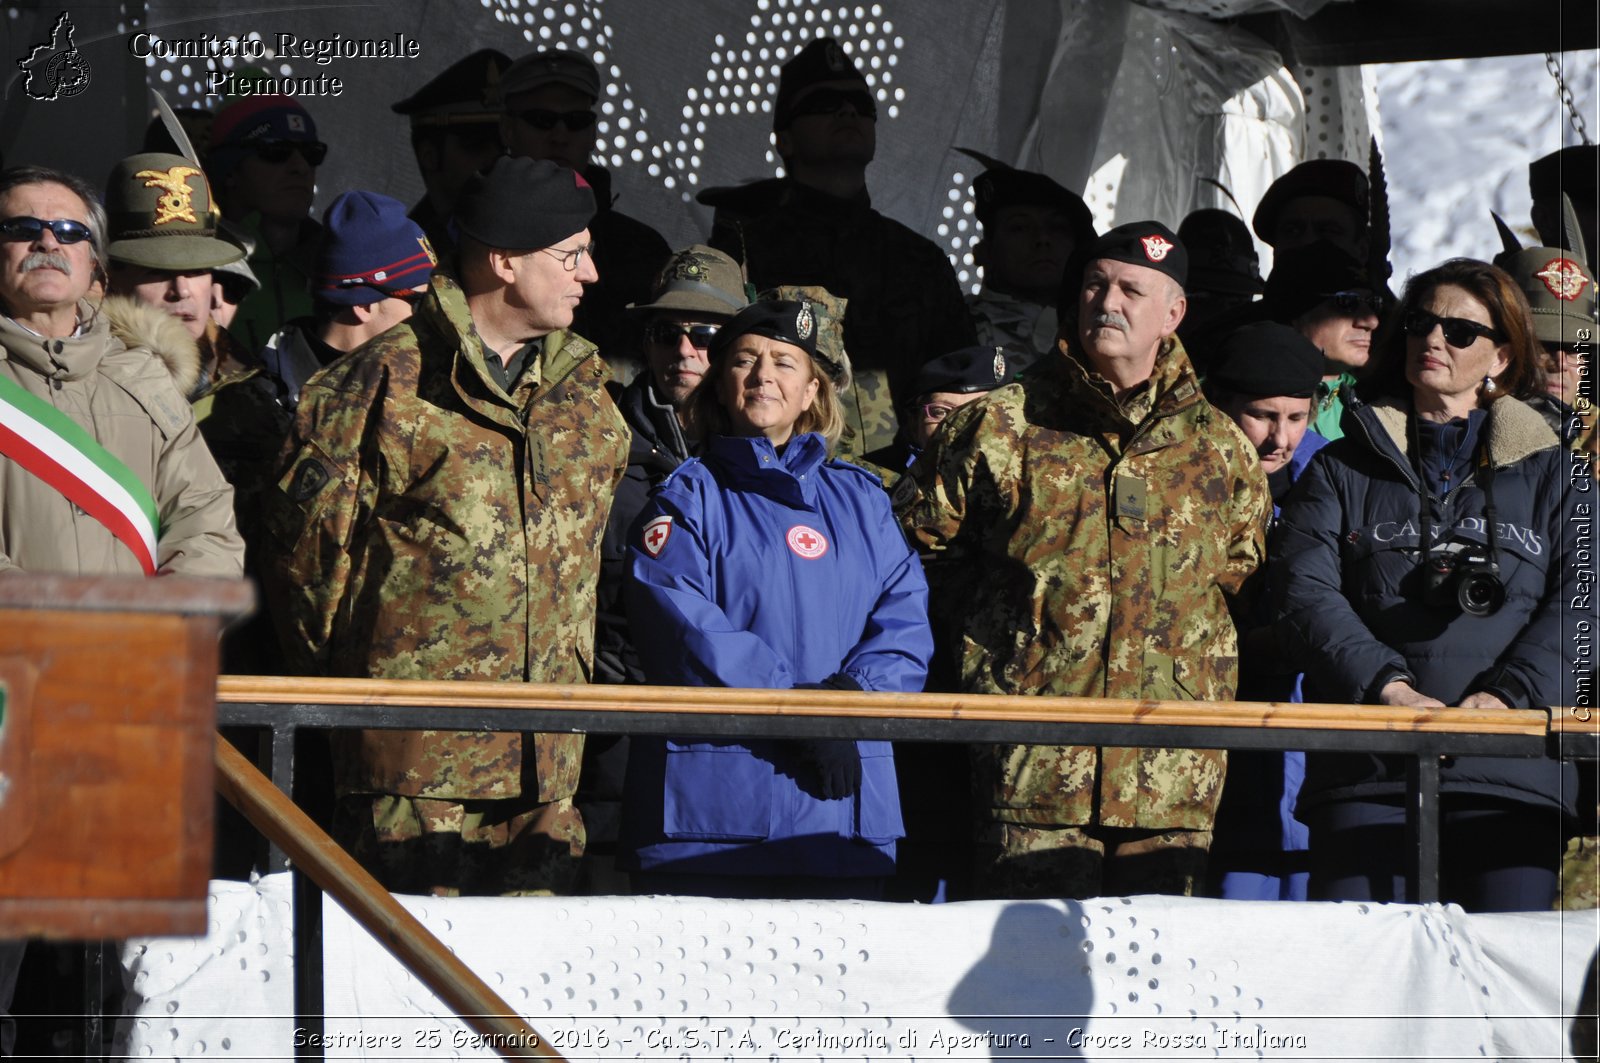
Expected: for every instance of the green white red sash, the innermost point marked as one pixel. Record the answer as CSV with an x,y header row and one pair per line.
x,y
55,448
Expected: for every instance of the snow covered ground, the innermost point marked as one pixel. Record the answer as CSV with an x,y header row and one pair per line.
x,y
1458,136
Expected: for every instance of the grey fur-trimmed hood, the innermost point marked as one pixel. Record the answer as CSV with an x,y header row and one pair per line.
x,y
139,325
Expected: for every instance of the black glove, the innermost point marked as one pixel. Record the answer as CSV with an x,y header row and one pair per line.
x,y
834,765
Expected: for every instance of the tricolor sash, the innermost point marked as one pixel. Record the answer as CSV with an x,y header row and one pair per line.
x,y
55,448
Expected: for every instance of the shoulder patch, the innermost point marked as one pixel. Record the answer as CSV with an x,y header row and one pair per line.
x,y
310,477
654,538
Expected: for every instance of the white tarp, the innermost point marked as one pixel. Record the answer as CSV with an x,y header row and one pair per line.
x,y
669,978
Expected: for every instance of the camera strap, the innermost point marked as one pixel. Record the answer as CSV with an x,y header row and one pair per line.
x,y
1484,479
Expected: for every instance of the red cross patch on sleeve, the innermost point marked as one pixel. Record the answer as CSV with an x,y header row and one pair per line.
x,y
656,534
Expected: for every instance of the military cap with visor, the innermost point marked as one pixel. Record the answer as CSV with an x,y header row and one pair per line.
x,y
552,66
520,204
160,215
466,92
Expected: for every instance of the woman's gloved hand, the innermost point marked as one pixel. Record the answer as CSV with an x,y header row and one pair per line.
x,y
833,763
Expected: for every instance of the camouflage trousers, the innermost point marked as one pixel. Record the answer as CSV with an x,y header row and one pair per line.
x,y
1025,862
1580,875
418,845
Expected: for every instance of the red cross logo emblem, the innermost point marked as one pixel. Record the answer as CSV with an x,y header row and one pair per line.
x,y
807,542
1155,247
656,534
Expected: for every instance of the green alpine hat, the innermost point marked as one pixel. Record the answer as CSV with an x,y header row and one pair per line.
x,y
160,215
1560,291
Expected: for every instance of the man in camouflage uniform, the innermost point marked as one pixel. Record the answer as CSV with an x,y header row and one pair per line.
x,y
1085,528
438,515
816,227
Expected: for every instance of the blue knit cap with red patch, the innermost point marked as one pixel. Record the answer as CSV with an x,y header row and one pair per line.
x,y
370,251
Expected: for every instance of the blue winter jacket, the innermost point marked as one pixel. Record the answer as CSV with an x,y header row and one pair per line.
x,y
1348,592
753,568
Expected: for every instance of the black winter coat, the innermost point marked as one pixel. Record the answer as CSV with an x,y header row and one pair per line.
x,y
1348,592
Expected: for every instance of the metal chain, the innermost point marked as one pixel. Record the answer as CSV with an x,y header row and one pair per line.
x,y
1565,93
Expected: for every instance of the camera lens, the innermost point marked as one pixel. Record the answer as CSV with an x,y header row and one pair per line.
x,y
1480,593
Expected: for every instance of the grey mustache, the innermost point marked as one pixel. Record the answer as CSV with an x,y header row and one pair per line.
x,y
46,260
1112,320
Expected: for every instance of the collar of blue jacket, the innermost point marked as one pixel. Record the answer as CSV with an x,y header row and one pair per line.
x,y
752,463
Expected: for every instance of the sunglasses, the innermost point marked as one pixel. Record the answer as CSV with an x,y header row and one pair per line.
x,y
544,121
1458,331
667,334
275,151
828,101
66,230
1356,304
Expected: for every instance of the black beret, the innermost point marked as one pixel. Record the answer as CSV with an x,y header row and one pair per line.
x,y
1333,178
1571,170
1267,360
788,322
1303,277
468,90
967,370
1002,186
1222,257
1142,243
824,59
524,203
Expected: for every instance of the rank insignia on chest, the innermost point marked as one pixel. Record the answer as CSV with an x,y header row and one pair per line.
x,y
807,542
656,534
1128,496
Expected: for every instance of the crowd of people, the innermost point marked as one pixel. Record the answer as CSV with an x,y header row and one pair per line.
x,y
510,435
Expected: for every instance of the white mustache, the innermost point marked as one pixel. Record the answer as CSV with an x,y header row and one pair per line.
x,y
1111,319
46,260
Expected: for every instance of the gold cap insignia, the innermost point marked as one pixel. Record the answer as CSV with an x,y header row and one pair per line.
x,y
177,201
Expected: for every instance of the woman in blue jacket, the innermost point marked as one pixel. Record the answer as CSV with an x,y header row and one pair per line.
x,y
1433,557
764,564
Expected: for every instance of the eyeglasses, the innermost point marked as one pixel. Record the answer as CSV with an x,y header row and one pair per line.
x,y
829,100
1458,331
935,411
570,259
668,334
276,151
66,230
1356,304
544,121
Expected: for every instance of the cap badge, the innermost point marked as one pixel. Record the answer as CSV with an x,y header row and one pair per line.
x,y
177,201
427,249
656,534
688,268
1564,278
999,364
1156,247
804,323
807,542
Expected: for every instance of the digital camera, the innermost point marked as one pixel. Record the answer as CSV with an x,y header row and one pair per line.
x,y
1465,579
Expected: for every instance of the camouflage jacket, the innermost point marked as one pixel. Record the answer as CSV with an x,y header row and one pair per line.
x,y
905,307
426,525
1084,547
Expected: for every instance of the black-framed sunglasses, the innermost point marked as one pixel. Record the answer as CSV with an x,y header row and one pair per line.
x,y
545,120
1458,331
1356,303
829,100
667,334
23,227
275,151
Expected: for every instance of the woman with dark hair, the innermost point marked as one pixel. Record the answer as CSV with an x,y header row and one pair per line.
x,y
762,563
1428,559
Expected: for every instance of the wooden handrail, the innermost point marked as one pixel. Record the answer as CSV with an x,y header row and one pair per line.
x,y
722,701
338,874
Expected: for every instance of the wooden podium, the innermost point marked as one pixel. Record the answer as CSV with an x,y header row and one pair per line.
x,y
106,738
